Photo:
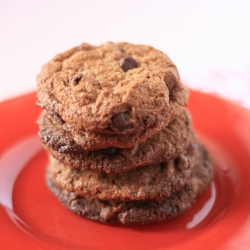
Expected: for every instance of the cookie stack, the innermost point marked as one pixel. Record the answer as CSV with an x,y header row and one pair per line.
x,y
120,143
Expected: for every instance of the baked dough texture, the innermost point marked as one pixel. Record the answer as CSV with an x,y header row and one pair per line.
x,y
121,144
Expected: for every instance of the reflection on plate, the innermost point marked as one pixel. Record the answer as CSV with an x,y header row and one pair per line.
x,y
32,218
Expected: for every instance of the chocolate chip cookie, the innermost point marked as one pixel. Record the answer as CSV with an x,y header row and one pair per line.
x,y
149,182
163,146
116,88
140,212
61,137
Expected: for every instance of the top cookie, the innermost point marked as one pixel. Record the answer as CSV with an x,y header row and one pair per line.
x,y
117,88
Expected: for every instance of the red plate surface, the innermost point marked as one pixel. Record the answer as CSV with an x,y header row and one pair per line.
x,y
32,218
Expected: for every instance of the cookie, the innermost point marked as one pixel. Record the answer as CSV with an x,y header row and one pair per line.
x,y
161,147
61,137
153,182
116,88
96,140
140,212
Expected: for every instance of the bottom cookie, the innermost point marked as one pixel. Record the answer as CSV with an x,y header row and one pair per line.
x,y
138,212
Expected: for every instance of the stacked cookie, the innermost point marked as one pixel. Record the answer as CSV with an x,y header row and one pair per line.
x,y
120,142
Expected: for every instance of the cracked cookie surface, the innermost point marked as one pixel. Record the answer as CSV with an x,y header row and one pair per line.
x,y
90,90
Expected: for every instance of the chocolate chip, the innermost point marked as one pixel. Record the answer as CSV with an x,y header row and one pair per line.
x,y
107,151
181,162
173,209
128,63
163,165
77,78
119,121
56,116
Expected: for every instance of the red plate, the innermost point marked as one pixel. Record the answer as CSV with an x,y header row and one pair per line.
x,y
32,218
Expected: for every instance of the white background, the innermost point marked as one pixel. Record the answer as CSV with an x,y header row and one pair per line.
x,y
209,41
